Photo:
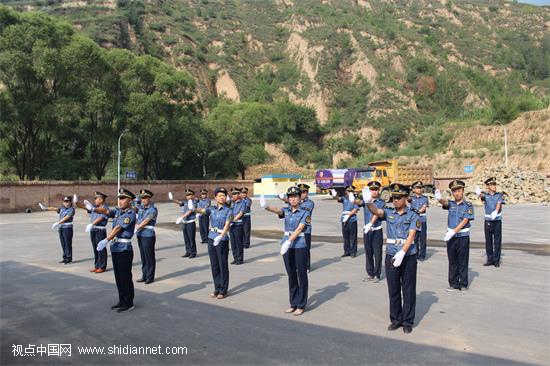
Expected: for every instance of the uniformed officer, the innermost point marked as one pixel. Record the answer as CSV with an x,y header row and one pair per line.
x,y
120,240
461,212
221,217
348,220
98,231
308,205
204,202
420,204
492,202
294,248
236,232
64,226
188,218
145,231
373,237
247,222
402,226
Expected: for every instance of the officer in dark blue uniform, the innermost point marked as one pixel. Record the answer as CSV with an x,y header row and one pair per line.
x,y
98,231
120,240
294,248
188,218
402,226
349,221
145,232
64,226
308,205
492,203
221,217
247,222
420,204
373,237
457,237
204,202
236,232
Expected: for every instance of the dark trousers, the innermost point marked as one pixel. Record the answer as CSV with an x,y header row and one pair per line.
x,y
308,244
236,235
458,252
493,240
349,232
420,241
247,225
122,266
147,254
189,238
402,279
66,239
373,241
218,264
296,269
203,227
100,258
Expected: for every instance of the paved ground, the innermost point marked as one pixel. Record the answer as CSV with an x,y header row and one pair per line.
x,y
504,319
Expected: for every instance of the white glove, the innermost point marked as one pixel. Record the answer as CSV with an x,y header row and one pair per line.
x,y
136,229
179,220
42,207
228,199
285,246
494,214
367,227
55,225
75,198
345,218
263,203
170,196
450,233
351,197
367,195
217,240
88,228
398,258
333,192
198,215
190,205
282,196
478,191
437,194
102,244
88,205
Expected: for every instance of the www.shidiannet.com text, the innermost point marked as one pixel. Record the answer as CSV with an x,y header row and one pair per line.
x,y
67,350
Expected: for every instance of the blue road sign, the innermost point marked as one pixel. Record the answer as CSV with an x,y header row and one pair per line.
x,y
468,168
131,175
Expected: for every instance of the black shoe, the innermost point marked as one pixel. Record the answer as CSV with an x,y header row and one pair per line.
x,y
125,308
233,261
63,261
185,255
192,256
68,262
149,281
141,280
393,326
486,264
407,329
239,262
246,246
344,255
116,306
353,255
497,264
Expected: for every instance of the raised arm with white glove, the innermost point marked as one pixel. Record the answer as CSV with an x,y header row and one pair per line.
x,y
437,195
170,196
42,207
478,191
282,196
351,197
75,199
367,195
190,205
263,203
88,206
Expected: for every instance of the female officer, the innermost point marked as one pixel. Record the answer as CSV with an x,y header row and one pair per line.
x,y
64,226
294,248
145,232
218,241
98,231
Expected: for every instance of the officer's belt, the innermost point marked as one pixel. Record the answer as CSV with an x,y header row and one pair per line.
x,y
489,216
376,228
65,224
121,240
289,233
396,241
216,230
247,214
467,230
346,212
148,227
237,221
96,227
422,214
188,221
